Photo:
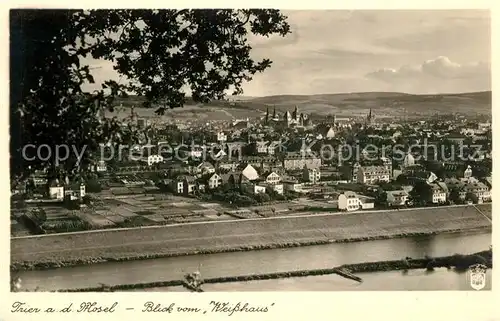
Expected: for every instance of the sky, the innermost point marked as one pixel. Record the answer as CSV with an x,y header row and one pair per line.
x,y
447,51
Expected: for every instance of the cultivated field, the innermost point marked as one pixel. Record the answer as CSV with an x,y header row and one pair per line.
x,y
160,209
181,239
120,208
150,209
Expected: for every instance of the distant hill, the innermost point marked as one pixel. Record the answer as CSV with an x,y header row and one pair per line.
x,y
383,104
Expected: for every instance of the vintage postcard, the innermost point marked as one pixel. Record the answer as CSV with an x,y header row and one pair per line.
x,y
246,150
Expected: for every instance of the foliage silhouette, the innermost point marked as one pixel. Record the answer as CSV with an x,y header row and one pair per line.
x,y
159,53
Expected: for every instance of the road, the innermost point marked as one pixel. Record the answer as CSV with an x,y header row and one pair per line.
x,y
181,238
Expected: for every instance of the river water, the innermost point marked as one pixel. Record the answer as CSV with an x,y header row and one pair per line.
x,y
275,260
413,280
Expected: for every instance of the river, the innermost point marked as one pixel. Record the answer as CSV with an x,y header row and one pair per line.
x,y
414,280
275,260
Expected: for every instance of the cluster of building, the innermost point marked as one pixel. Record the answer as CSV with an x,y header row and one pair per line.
x,y
293,119
205,177
263,155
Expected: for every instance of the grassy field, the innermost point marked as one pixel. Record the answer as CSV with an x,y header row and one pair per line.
x,y
244,234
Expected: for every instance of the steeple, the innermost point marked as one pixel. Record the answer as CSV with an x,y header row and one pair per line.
x,y
133,114
295,113
370,116
100,114
274,112
267,115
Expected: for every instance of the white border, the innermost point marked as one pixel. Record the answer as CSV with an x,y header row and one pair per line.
x,y
288,305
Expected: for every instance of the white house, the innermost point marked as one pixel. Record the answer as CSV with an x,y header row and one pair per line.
x,y
439,194
261,147
409,160
486,196
221,137
154,159
373,174
250,173
180,187
259,189
272,178
480,190
366,203
348,201
468,172
397,198
214,181
101,166
329,133
195,152
56,190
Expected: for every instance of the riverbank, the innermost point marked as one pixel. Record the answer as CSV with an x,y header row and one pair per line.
x,y
50,252
29,266
457,261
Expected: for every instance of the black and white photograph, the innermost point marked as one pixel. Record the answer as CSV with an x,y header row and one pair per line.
x,y
249,150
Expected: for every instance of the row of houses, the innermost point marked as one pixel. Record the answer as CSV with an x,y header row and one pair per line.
x,y
247,175
190,185
441,191
291,161
59,190
373,174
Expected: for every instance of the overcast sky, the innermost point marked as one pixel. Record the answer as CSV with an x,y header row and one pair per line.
x,y
357,51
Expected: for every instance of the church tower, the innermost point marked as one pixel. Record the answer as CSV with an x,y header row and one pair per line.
x,y
287,118
267,115
133,115
369,119
99,112
295,114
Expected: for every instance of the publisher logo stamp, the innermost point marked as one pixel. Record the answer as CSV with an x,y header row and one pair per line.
x,y
477,276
